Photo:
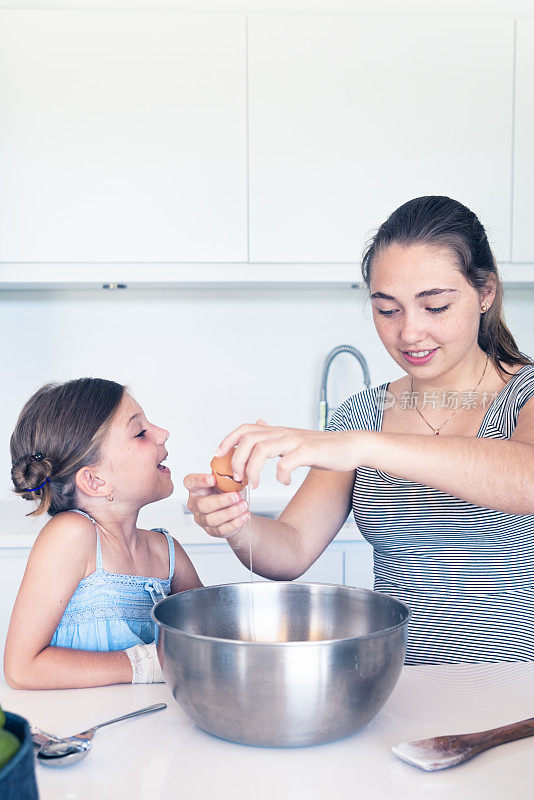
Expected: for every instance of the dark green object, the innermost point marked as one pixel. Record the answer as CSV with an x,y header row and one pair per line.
x,y
9,744
17,777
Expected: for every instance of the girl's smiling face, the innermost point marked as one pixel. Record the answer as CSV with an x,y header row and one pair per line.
x,y
131,457
425,312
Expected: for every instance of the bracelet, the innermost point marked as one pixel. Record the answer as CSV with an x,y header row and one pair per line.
x,y
145,663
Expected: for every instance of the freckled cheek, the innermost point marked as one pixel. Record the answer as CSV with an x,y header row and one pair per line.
x,y
386,329
459,324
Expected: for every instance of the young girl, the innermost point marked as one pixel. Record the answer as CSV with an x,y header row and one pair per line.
x,y
86,453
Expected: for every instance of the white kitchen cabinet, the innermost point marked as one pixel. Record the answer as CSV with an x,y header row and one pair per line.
x,y
523,230
342,562
351,116
123,137
215,563
12,566
218,564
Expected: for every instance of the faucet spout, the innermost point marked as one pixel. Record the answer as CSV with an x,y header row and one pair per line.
x,y
342,348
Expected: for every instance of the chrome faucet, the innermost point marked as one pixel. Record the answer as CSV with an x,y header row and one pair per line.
x,y
342,348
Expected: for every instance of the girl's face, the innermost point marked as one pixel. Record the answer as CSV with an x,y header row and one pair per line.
x,y
132,456
425,312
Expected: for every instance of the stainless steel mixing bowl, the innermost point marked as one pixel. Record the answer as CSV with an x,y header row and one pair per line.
x,y
325,659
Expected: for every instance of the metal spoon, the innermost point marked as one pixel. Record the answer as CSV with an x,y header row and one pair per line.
x,y
63,752
447,751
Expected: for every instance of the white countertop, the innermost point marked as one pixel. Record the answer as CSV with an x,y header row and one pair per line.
x,y
164,756
19,531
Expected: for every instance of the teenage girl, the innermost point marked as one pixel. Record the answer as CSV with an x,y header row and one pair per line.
x,y
85,452
437,466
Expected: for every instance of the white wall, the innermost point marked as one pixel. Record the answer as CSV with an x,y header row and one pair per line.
x,y
199,363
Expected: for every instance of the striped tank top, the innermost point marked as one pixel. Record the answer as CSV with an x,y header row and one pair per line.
x,y
466,572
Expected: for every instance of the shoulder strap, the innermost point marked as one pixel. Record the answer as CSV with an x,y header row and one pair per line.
x,y
523,388
170,542
361,411
98,548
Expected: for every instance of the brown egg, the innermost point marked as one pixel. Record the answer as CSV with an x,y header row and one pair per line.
x,y
221,468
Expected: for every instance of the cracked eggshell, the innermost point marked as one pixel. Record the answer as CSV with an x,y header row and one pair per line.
x,y
221,468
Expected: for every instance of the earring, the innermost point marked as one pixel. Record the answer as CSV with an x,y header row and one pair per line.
x,y
110,497
484,307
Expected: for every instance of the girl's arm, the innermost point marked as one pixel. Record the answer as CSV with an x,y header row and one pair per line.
x,y
185,575
492,473
285,548
56,565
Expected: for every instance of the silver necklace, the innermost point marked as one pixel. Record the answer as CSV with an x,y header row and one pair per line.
x,y
437,430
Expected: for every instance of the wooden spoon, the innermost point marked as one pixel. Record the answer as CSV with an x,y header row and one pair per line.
x,y
447,751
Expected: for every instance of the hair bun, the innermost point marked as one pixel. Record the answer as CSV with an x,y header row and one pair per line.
x,y
30,472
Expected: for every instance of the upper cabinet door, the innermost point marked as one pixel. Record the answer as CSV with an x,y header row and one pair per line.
x,y
352,116
523,238
123,136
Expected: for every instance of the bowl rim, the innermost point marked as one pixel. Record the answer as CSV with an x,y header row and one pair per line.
x,y
306,643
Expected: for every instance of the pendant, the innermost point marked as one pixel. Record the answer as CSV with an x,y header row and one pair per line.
x,y
436,433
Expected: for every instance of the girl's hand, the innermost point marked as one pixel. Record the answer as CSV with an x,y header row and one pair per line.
x,y
221,514
339,451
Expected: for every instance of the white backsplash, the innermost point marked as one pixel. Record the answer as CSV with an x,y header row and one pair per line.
x,y
199,362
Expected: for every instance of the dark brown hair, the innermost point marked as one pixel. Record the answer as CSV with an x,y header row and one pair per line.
x,y
60,430
441,222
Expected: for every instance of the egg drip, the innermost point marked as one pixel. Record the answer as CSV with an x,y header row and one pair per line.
x,y
223,472
252,613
